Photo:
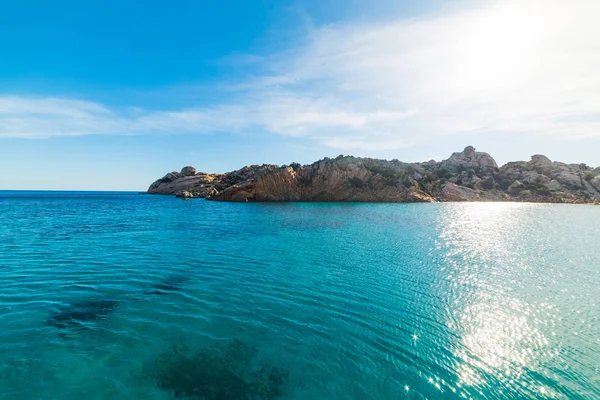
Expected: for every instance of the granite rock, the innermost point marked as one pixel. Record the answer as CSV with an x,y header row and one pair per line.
x,y
465,176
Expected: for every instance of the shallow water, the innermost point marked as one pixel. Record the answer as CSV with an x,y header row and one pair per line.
x,y
158,298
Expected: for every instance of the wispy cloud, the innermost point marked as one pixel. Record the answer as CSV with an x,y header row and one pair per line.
x,y
512,67
47,117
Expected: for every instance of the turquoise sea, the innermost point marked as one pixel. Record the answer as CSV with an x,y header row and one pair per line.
x,y
130,296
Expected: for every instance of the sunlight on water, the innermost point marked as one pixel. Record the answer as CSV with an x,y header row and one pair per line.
x,y
482,231
141,297
501,340
497,343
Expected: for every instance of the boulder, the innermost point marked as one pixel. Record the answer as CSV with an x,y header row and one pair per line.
x,y
525,194
184,194
469,151
454,192
532,177
468,159
540,162
569,178
515,188
188,171
553,185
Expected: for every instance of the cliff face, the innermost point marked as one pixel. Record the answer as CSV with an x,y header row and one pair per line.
x,y
465,176
341,179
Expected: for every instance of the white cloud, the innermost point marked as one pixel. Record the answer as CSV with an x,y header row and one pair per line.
x,y
513,67
47,117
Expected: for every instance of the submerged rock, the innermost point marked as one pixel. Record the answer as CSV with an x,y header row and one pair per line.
x,y
234,372
78,315
169,285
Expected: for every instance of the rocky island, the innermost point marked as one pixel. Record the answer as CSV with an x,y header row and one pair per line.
x,y
465,176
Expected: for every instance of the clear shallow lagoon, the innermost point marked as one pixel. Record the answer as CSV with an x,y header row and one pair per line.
x,y
119,296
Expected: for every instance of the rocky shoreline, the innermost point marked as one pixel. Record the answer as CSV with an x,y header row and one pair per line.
x,y
465,176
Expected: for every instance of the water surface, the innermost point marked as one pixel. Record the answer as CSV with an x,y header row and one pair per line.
x,y
127,296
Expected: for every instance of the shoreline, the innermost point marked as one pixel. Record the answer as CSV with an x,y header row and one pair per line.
x,y
468,175
380,202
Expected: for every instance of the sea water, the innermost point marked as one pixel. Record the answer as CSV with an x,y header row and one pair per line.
x,y
130,296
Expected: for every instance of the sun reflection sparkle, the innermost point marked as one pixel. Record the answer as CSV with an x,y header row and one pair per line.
x,y
497,342
499,336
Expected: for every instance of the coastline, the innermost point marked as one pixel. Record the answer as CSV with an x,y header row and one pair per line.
x,y
510,201
465,176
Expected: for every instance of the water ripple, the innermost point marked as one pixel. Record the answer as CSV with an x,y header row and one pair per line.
x,y
337,301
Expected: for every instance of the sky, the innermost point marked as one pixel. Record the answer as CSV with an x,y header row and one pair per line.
x,y
112,95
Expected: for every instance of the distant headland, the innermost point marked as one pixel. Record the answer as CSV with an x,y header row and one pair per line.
x,y
465,176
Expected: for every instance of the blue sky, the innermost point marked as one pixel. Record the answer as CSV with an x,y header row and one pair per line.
x,y
110,95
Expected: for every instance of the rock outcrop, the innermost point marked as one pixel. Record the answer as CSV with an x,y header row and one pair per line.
x,y
197,184
468,159
465,176
189,183
340,179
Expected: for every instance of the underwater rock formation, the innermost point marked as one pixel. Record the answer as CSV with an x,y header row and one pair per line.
x,y
80,314
169,285
465,176
234,372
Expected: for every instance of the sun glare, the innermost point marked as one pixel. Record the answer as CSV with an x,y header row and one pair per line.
x,y
497,49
